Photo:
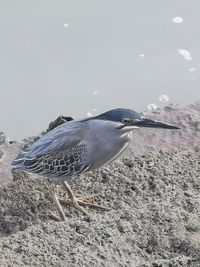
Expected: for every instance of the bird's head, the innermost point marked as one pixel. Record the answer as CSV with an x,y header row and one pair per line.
x,y
130,119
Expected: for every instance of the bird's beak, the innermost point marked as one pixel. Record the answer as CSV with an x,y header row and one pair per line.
x,y
143,122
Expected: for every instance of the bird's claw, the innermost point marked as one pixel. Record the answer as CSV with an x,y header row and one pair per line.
x,y
56,217
79,202
87,197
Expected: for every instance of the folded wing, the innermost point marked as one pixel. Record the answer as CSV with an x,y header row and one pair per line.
x,y
61,152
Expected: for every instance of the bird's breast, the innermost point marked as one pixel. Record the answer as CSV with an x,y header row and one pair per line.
x,y
108,148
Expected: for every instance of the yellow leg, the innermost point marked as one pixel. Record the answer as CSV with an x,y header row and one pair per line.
x,y
78,202
56,201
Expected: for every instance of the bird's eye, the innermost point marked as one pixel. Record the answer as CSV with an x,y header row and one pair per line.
x,y
125,121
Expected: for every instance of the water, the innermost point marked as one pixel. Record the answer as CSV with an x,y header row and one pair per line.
x,y
152,107
177,20
163,98
186,54
54,56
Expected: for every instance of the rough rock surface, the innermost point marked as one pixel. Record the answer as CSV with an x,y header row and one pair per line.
x,y
153,196
153,217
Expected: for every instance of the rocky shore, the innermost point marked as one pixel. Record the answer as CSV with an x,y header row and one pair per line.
x,y
152,194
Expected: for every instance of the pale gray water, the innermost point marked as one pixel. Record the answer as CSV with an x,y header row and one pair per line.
x,y
48,69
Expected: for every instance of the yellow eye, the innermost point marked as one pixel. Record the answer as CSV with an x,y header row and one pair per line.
x,y
125,120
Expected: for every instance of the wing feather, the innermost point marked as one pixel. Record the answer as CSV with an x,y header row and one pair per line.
x,y
61,138
61,152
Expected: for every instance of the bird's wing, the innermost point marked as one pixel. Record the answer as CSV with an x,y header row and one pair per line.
x,y
63,151
65,136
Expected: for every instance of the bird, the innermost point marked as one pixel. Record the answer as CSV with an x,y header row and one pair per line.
x,y
81,146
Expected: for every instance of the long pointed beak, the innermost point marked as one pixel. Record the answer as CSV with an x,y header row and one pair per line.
x,y
153,124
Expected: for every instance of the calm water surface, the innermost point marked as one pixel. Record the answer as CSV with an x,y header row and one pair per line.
x,y
79,57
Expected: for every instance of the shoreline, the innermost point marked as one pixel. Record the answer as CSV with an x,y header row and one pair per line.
x,y
152,193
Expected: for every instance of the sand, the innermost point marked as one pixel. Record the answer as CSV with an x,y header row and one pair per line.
x,y
153,198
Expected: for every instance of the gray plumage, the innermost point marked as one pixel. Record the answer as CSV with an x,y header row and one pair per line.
x,y
83,145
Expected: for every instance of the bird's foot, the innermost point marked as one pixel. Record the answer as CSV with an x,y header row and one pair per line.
x,y
88,197
79,203
55,217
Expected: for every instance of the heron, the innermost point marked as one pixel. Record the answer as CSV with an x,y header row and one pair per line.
x,y
80,146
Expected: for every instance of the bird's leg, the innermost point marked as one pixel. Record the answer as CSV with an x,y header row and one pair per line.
x,y
73,200
56,201
78,202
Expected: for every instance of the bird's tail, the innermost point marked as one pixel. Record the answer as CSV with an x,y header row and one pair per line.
x,y
18,163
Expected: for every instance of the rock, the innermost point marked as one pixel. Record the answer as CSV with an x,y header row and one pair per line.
x,y
156,224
